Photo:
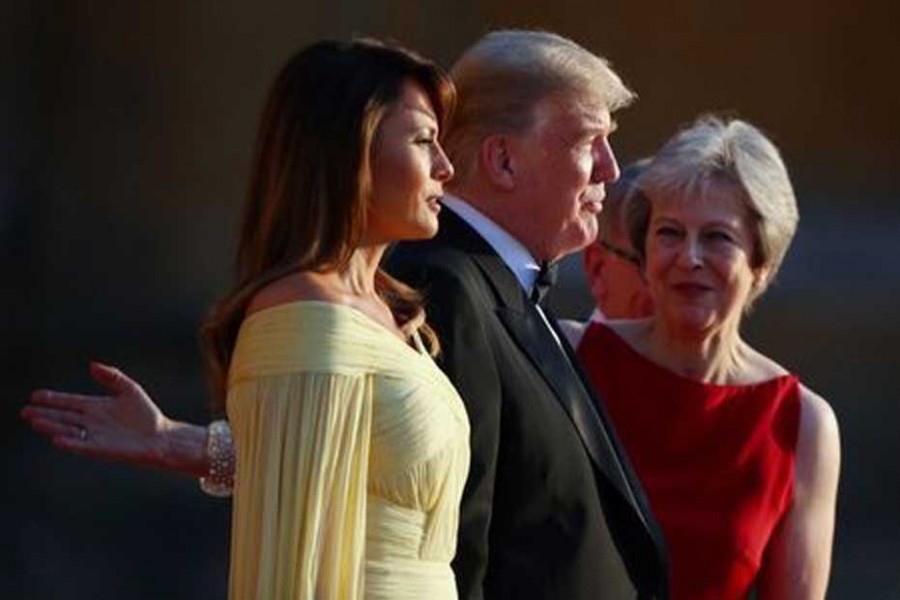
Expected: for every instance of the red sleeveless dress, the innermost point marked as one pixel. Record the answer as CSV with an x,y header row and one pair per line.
x,y
716,461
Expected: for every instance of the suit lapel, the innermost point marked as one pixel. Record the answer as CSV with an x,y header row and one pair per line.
x,y
535,339
624,463
526,326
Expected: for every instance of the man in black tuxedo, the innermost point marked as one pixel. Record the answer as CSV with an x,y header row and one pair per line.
x,y
552,509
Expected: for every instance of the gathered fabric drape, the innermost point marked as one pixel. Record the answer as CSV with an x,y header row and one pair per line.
x,y
352,452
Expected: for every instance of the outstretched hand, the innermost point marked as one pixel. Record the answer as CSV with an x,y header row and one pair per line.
x,y
124,426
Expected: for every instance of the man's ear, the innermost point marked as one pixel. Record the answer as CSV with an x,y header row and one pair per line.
x,y
497,160
593,260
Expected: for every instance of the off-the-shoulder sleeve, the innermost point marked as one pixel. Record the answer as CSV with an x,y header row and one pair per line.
x,y
298,521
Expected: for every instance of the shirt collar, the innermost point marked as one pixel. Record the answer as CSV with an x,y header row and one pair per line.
x,y
511,251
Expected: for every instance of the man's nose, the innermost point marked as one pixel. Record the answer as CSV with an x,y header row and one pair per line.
x,y
606,168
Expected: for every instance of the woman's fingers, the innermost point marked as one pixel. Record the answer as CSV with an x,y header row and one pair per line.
x,y
63,400
123,426
66,428
54,429
33,414
114,381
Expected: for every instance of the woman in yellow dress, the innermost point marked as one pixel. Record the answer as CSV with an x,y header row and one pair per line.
x,y
352,446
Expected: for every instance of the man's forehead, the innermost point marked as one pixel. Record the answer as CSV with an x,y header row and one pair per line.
x,y
596,119
591,107
582,112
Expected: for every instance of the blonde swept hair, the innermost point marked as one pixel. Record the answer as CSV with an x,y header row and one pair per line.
x,y
502,78
714,156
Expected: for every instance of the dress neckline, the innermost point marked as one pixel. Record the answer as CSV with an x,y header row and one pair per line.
x,y
678,378
414,345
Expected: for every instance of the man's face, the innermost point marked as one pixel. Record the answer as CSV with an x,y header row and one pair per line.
x,y
562,165
614,276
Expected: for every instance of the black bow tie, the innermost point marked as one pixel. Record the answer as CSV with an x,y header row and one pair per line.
x,y
545,280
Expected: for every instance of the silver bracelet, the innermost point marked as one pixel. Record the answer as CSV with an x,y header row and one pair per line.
x,y
220,452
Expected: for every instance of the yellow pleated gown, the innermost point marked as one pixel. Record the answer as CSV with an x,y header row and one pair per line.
x,y
352,452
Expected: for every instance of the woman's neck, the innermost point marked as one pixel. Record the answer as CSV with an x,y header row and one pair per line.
x,y
357,282
717,356
353,285
358,277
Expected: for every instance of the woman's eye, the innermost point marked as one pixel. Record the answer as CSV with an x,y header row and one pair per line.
x,y
667,232
426,140
719,236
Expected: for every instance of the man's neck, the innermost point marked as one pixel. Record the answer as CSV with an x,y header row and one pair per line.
x,y
512,252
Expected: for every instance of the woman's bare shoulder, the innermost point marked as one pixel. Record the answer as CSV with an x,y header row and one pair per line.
x,y
295,287
817,419
818,424
818,446
759,367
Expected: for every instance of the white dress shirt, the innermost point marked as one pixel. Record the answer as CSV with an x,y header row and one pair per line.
x,y
511,251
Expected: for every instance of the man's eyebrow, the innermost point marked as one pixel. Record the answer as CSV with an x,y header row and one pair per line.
x,y
596,126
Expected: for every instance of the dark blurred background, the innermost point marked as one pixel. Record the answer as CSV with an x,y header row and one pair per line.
x,y
126,130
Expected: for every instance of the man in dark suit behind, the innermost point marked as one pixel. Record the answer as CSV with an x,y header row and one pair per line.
x,y
551,508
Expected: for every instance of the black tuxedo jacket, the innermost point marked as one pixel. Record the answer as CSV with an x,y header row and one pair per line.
x,y
551,508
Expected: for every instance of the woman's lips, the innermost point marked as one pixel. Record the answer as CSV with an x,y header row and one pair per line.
x,y
691,288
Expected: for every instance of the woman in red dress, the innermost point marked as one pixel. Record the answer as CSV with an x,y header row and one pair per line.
x,y
739,460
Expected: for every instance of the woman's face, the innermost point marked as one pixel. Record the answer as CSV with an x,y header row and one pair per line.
x,y
409,169
698,254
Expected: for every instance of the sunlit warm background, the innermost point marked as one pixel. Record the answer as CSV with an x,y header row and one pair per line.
x,y
126,130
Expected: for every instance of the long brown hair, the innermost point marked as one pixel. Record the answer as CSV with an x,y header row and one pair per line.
x,y
311,180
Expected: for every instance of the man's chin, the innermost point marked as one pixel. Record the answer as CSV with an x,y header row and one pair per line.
x,y
586,236
573,247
